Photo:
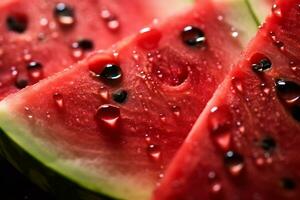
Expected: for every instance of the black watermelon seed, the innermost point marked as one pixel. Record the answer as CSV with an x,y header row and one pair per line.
x,y
17,23
84,44
268,144
120,96
262,65
22,83
288,183
193,36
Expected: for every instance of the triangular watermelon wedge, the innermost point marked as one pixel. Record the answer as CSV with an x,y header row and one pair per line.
x,y
245,145
111,123
40,38
48,46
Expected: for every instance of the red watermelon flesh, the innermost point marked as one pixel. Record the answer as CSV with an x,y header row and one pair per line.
x,y
112,122
39,38
245,144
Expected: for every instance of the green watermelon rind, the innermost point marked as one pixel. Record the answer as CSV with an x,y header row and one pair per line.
x,y
262,9
32,168
37,165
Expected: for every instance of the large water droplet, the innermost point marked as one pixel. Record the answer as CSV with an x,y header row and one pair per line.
x,y
154,151
260,63
58,99
108,114
219,126
149,38
17,23
234,162
289,91
64,14
193,36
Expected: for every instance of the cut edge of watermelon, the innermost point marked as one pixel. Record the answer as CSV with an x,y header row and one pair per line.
x,y
242,16
65,168
15,134
258,9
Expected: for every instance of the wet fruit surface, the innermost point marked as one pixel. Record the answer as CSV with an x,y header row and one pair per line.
x,y
56,34
43,37
247,138
135,102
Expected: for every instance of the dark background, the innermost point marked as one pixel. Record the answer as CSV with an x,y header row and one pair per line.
x,y
14,186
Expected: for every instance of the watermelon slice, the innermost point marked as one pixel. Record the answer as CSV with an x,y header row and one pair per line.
x,y
246,142
33,33
112,122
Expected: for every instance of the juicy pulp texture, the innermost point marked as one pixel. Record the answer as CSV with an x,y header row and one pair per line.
x,y
33,31
245,144
169,72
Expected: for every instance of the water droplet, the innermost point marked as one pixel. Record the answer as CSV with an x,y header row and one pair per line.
x,y
35,71
288,183
44,21
120,96
276,10
176,110
17,23
108,114
277,42
104,93
289,91
28,112
162,117
219,125
77,54
260,63
234,162
216,187
14,72
154,152
110,19
113,24
21,83
149,38
84,44
234,34
193,36
58,99
64,14
293,65
237,84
